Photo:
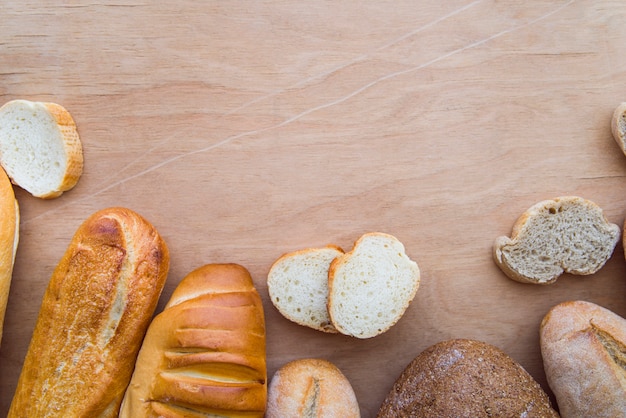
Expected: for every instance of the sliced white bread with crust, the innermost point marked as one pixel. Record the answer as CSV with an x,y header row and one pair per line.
x,y
563,235
371,286
298,286
39,147
618,126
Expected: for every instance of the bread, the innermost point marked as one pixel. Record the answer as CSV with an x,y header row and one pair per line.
x,y
298,286
583,346
9,238
371,286
204,355
311,388
618,126
465,378
92,319
564,235
39,147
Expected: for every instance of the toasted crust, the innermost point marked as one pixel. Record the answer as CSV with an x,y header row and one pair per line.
x,y
311,388
205,353
618,126
297,284
465,378
9,238
40,125
566,234
583,346
94,314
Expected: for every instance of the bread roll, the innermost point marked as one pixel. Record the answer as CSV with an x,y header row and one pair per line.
x,y
204,355
371,286
311,388
618,126
465,378
39,147
93,317
298,286
567,234
9,238
584,355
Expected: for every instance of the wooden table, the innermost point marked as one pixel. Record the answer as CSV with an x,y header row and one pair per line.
x,y
243,130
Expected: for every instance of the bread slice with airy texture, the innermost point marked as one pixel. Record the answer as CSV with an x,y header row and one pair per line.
x,y
564,235
371,286
618,126
298,286
39,147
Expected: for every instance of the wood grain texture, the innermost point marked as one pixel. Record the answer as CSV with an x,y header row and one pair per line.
x,y
243,130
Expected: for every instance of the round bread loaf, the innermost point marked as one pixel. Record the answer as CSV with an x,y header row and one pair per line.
x,y
465,378
312,388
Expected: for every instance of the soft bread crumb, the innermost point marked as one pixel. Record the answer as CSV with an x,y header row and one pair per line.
x,y
563,235
371,287
39,147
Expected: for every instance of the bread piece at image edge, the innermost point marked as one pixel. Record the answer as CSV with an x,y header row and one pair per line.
x,y
465,378
563,235
204,354
371,286
92,319
618,126
313,388
298,286
9,238
583,346
39,147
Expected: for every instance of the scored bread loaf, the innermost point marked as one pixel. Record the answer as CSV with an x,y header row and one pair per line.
x,y
583,346
618,126
311,388
9,238
92,319
39,147
563,235
204,354
371,286
298,286
465,378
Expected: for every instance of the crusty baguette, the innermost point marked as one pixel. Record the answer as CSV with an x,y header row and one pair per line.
x,y
94,314
298,286
204,355
311,388
583,346
371,286
618,126
9,238
563,235
39,147
465,378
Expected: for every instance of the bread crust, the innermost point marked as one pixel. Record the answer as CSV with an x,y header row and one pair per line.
x,y
618,126
9,238
311,387
205,353
465,378
92,319
583,346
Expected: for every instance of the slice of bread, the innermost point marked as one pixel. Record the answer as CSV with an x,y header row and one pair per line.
x,y
371,286
39,147
298,286
564,235
618,126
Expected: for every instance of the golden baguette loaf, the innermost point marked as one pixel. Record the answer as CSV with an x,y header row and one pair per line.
x,y
9,237
204,355
94,314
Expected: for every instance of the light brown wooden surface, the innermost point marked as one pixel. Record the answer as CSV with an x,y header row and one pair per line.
x,y
243,130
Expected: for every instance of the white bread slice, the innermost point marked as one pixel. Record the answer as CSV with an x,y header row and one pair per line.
x,y
298,286
563,235
371,286
39,147
618,126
